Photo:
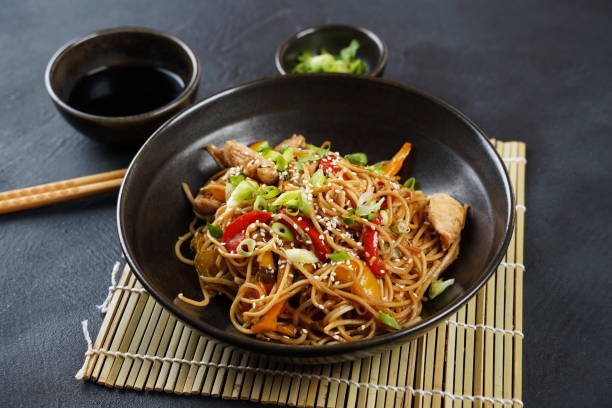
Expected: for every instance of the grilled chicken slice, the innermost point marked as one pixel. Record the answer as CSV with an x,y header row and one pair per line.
x,y
447,216
254,165
205,204
295,141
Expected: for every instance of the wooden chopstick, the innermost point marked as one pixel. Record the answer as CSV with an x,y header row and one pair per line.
x,y
56,192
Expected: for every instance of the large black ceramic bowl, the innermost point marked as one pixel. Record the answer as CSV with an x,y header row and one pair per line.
x,y
450,154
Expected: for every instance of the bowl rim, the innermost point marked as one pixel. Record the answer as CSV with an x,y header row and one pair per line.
x,y
301,351
187,91
380,44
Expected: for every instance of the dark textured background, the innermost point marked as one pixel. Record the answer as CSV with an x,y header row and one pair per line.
x,y
540,72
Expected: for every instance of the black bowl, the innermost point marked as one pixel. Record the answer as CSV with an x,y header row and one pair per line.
x,y
332,38
120,47
357,113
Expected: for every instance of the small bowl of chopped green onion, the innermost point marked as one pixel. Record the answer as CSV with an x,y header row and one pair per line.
x,y
336,48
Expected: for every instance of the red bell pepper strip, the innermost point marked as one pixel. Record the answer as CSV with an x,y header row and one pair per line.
x,y
370,246
328,163
320,248
234,232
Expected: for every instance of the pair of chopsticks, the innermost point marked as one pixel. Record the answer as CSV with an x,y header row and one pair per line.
x,y
57,192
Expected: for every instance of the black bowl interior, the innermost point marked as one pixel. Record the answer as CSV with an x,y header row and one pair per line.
x,y
358,114
333,38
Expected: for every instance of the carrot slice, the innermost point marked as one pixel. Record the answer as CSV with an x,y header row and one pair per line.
x,y
268,321
393,166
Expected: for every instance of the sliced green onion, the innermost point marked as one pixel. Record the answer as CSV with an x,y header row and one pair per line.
x,y
372,207
399,228
244,192
215,231
236,179
338,256
300,167
288,154
250,247
321,151
268,192
318,179
260,204
265,146
410,183
360,159
303,256
308,158
376,169
294,200
438,286
397,254
384,217
277,158
371,216
292,211
348,220
282,231
389,320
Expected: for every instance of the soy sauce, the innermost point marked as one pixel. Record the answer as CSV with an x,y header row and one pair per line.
x,y
125,91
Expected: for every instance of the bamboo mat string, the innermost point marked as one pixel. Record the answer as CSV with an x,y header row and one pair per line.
x,y
472,359
269,371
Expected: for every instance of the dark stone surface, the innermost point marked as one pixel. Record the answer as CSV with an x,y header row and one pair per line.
x,y
533,71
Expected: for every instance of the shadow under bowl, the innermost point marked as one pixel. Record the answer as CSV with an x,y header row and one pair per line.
x,y
357,114
333,38
121,47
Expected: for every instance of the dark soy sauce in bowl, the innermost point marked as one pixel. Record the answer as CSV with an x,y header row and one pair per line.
x,y
125,90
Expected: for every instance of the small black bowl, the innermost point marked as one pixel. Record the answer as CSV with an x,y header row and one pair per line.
x,y
357,114
332,38
119,47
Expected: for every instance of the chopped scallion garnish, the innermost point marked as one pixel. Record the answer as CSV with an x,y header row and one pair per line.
x,y
236,179
438,286
359,159
246,247
215,231
338,256
303,256
282,231
410,183
318,178
389,320
268,192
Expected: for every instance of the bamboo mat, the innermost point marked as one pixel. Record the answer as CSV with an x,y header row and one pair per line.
x,y
473,359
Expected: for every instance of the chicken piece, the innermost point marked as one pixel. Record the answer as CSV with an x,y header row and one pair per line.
x,y
205,204
265,173
254,164
217,155
447,216
339,197
295,141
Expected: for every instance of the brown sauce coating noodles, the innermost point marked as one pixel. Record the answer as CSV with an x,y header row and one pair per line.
x,y
323,302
